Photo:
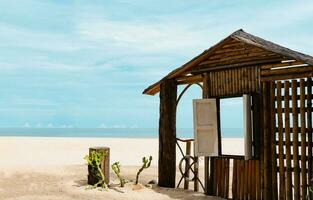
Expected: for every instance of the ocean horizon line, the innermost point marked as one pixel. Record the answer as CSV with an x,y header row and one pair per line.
x,y
107,132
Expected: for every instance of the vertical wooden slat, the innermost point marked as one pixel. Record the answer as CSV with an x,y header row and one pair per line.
x,y
227,178
232,81
267,142
303,139
281,139
273,140
221,178
246,186
238,178
309,120
295,140
242,178
252,180
258,179
210,190
215,178
234,180
288,148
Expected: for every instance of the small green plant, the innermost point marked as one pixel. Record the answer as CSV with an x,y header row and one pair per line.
x,y
146,164
116,167
94,162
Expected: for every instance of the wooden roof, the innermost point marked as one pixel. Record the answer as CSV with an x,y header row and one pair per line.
x,y
240,49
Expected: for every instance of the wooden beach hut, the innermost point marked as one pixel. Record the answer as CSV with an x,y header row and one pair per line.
x,y
279,83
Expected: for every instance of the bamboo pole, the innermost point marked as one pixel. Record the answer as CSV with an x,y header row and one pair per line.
x,y
288,148
273,141
280,140
295,140
234,180
309,119
303,140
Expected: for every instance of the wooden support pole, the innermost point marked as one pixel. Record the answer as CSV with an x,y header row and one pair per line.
x,y
288,142
187,170
167,134
295,140
303,140
207,176
267,191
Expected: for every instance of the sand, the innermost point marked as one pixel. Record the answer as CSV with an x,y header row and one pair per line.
x,y
39,168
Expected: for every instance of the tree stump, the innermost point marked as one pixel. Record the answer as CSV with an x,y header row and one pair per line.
x,y
105,166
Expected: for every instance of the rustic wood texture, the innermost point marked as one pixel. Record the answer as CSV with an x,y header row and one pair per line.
x,y
240,49
282,188
309,120
167,134
233,82
294,151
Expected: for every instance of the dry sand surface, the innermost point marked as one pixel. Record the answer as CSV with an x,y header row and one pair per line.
x,y
53,169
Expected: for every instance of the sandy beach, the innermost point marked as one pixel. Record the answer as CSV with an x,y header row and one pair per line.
x,y
45,168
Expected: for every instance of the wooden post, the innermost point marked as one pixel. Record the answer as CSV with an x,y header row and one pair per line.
x,y
167,134
105,166
207,183
267,176
187,170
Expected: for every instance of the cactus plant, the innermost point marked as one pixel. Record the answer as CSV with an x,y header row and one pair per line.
x,y
146,164
94,162
116,167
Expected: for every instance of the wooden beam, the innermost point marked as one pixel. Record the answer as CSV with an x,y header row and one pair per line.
x,y
242,64
287,76
283,71
167,134
285,64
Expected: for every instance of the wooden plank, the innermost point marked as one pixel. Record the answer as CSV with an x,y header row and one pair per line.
x,y
287,76
280,146
211,178
310,141
242,178
246,178
234,180
227,166
295,140
167,134
293,70
258,179
252,180
215,178
238,178
303,140
221,178
288,149
273,139
267,143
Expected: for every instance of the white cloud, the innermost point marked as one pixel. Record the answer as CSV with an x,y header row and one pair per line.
x,y
142,36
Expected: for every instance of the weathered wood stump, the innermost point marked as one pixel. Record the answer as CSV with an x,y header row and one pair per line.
x,y
93,178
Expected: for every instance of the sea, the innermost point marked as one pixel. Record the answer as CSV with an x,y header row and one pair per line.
x,y
107,132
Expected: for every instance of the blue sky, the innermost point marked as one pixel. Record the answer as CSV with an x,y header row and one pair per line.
x,y
85,63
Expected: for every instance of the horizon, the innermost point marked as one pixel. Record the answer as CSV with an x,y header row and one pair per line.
x,y
85,64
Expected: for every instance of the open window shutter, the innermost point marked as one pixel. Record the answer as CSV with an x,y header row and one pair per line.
x,y
205,127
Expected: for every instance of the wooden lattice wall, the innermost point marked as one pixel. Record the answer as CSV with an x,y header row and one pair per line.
x,y
292,143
